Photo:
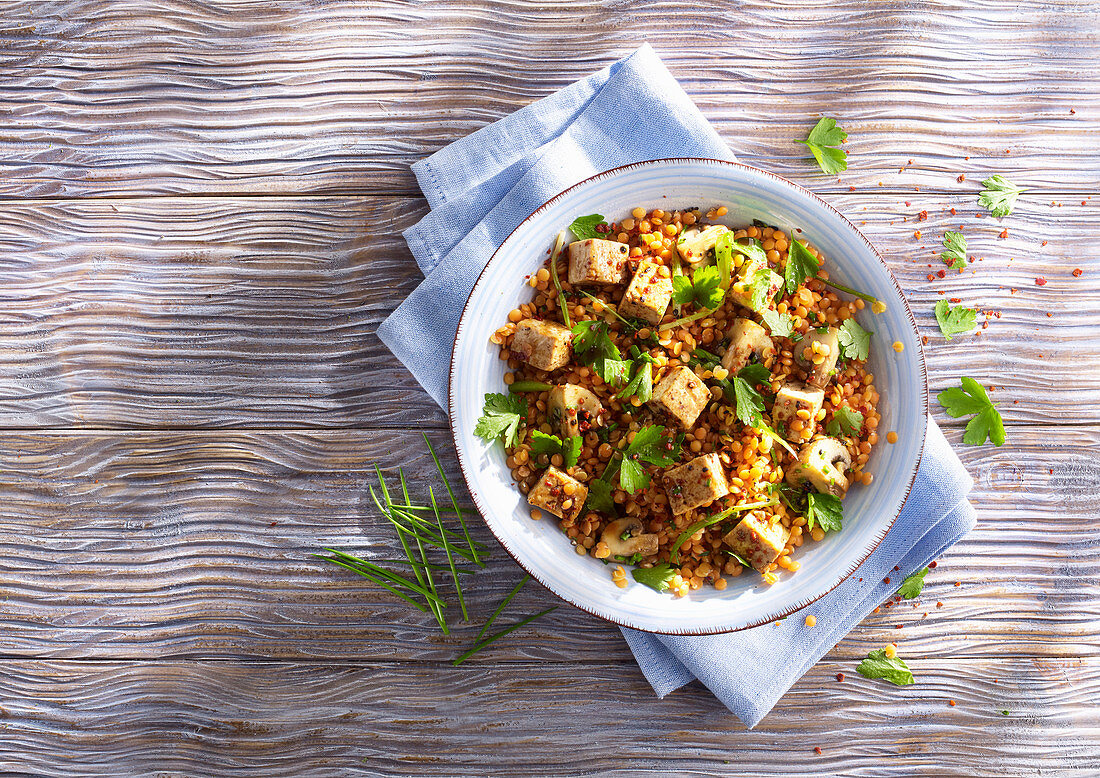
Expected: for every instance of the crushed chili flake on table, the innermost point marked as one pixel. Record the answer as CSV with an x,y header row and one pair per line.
x,y
961,178
840,677
952,211
933,565
1004,233
922,216
951,703
886,580
941,273
916,234
1040,281
939,604
1077,272
817,749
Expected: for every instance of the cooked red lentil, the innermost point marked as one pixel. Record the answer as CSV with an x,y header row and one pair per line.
x,y
640,378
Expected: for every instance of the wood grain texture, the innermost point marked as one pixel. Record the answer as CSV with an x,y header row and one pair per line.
x,y
251,312
307,97
198,544
535,719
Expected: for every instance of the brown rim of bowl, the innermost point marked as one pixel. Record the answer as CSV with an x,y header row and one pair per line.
x,y
923,389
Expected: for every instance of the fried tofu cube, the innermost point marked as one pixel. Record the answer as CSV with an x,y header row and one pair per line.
x,y
682,395
648,295
747,340
697,482
741,290
559,494
789,400
542,344
757,542
596,261
573,410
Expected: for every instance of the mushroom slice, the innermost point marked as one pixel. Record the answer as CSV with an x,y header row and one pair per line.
x,y
747,340
822,465
625,538
694,243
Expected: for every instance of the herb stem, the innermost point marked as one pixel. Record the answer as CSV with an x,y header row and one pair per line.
x,y
389,575
363,572
493,638
450,491
685,320
847,289
503,604
559,243
610,309
450,559
674,556
528,386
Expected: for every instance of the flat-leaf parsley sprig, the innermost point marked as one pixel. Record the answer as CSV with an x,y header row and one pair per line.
x,y
971,399
999,195
954,253
824,143
955,321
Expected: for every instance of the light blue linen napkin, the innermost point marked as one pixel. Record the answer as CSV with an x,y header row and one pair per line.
x,y
480,188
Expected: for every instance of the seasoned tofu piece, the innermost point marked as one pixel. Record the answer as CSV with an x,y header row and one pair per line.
x,y
648,295
740,290
596,261
574,410
817,354
789,400
542,344
698,482
757,542
694,243
682,395
747,340
559,494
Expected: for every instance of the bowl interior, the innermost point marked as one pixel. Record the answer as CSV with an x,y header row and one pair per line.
x,y
540,546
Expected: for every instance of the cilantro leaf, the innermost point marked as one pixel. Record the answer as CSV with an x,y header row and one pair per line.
x,y
972,399
592,341
955,321
501,416
756,373
657,577
913,584
651,445
955,255
855,342
878,665
584,227
780,324
801,264
599,497
824,141
641,382
703,290
749,405
999,195
845,421
632,476
570,448
612,371
825,509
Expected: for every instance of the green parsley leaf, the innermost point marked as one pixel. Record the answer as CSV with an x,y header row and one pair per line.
x,y
749,405
878,665
972,399
845,421
570,448
640,383
780,324
955,321
599,497
651,445
501,416
999,196
756,373
758,286
801,264
825,509
824,141
632,476
855,342
584,227
955,255
612,371
703,290
913,584
592,341
657,577
724,250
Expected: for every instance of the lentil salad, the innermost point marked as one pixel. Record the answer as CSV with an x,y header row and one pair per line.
x,y
685,397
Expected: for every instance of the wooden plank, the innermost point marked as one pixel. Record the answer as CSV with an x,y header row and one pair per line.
x,y
198,544
173,97
535,719
245,312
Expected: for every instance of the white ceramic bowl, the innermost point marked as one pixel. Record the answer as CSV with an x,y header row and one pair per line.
x,y
540,547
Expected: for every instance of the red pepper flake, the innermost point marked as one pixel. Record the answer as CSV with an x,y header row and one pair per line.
x,y
1077,272
1004,233
1072,111
951,703
840,677
1040,281
952,211
961,178
941,273
851,189
956,299
1052,471
897,626
817,749
916,234
931,277
1083,202
924,339
959,583
907,203
922,216
932,565
939,604
886,580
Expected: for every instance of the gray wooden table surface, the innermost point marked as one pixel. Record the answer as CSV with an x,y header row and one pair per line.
x,y
200,216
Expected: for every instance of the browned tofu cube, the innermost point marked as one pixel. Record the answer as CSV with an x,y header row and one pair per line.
x,y
682,395
542,344
698,482
574,410
789,400
559,494
757,542
817,354
596,261
748,340
648,295
740,290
